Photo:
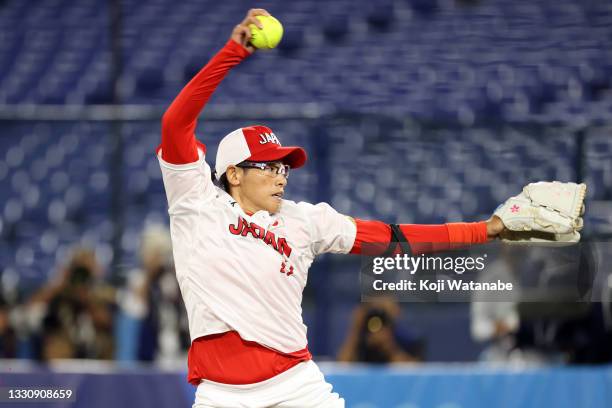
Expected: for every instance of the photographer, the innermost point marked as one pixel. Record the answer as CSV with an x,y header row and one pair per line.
x,y
73,317
374,338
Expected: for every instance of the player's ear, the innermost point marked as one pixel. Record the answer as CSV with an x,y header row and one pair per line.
x,y
234,175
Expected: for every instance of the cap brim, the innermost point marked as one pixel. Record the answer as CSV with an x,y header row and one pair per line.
x,y
293,156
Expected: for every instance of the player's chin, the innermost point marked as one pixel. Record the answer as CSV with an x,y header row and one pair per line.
x,y
274,204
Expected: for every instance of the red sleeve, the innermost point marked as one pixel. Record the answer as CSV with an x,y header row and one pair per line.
x,y
422,238
178,142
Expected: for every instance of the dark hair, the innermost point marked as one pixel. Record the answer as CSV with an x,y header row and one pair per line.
x,y
222,182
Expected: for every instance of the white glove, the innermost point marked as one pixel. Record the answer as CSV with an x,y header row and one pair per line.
x,y
544,212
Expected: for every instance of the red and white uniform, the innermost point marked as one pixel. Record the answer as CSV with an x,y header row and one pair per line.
x,y
245,272
242,275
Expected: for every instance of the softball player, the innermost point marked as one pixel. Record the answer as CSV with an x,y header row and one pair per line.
x,y
242,251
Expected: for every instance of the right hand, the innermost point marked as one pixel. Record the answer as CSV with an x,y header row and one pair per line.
x,y
242,33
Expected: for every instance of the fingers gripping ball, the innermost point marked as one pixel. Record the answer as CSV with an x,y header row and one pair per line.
x,y
269,36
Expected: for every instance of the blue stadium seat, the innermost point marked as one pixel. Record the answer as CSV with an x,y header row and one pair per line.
x,y
162,38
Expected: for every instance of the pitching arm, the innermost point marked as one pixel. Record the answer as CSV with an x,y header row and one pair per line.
x,y
179,145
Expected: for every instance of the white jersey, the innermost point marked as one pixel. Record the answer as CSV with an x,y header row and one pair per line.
x,y
240,272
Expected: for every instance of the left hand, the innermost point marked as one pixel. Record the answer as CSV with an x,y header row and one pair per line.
x,y
494,226
544,212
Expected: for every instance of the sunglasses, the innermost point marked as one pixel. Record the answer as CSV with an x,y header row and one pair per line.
x,y
269,169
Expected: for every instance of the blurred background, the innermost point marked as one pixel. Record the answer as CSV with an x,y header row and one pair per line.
x,y
412,111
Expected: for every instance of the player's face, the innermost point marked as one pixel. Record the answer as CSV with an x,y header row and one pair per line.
x,y
262,189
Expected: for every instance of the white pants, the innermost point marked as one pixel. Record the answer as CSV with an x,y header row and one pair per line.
x,y
302,386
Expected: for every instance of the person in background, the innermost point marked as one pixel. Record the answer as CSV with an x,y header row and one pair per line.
x,y
374,337
497,321
73,317
8,339
152,297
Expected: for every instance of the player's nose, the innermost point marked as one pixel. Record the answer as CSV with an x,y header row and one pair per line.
x,y
281,180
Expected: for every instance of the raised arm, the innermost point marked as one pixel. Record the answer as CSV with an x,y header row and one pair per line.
x,y
179,144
